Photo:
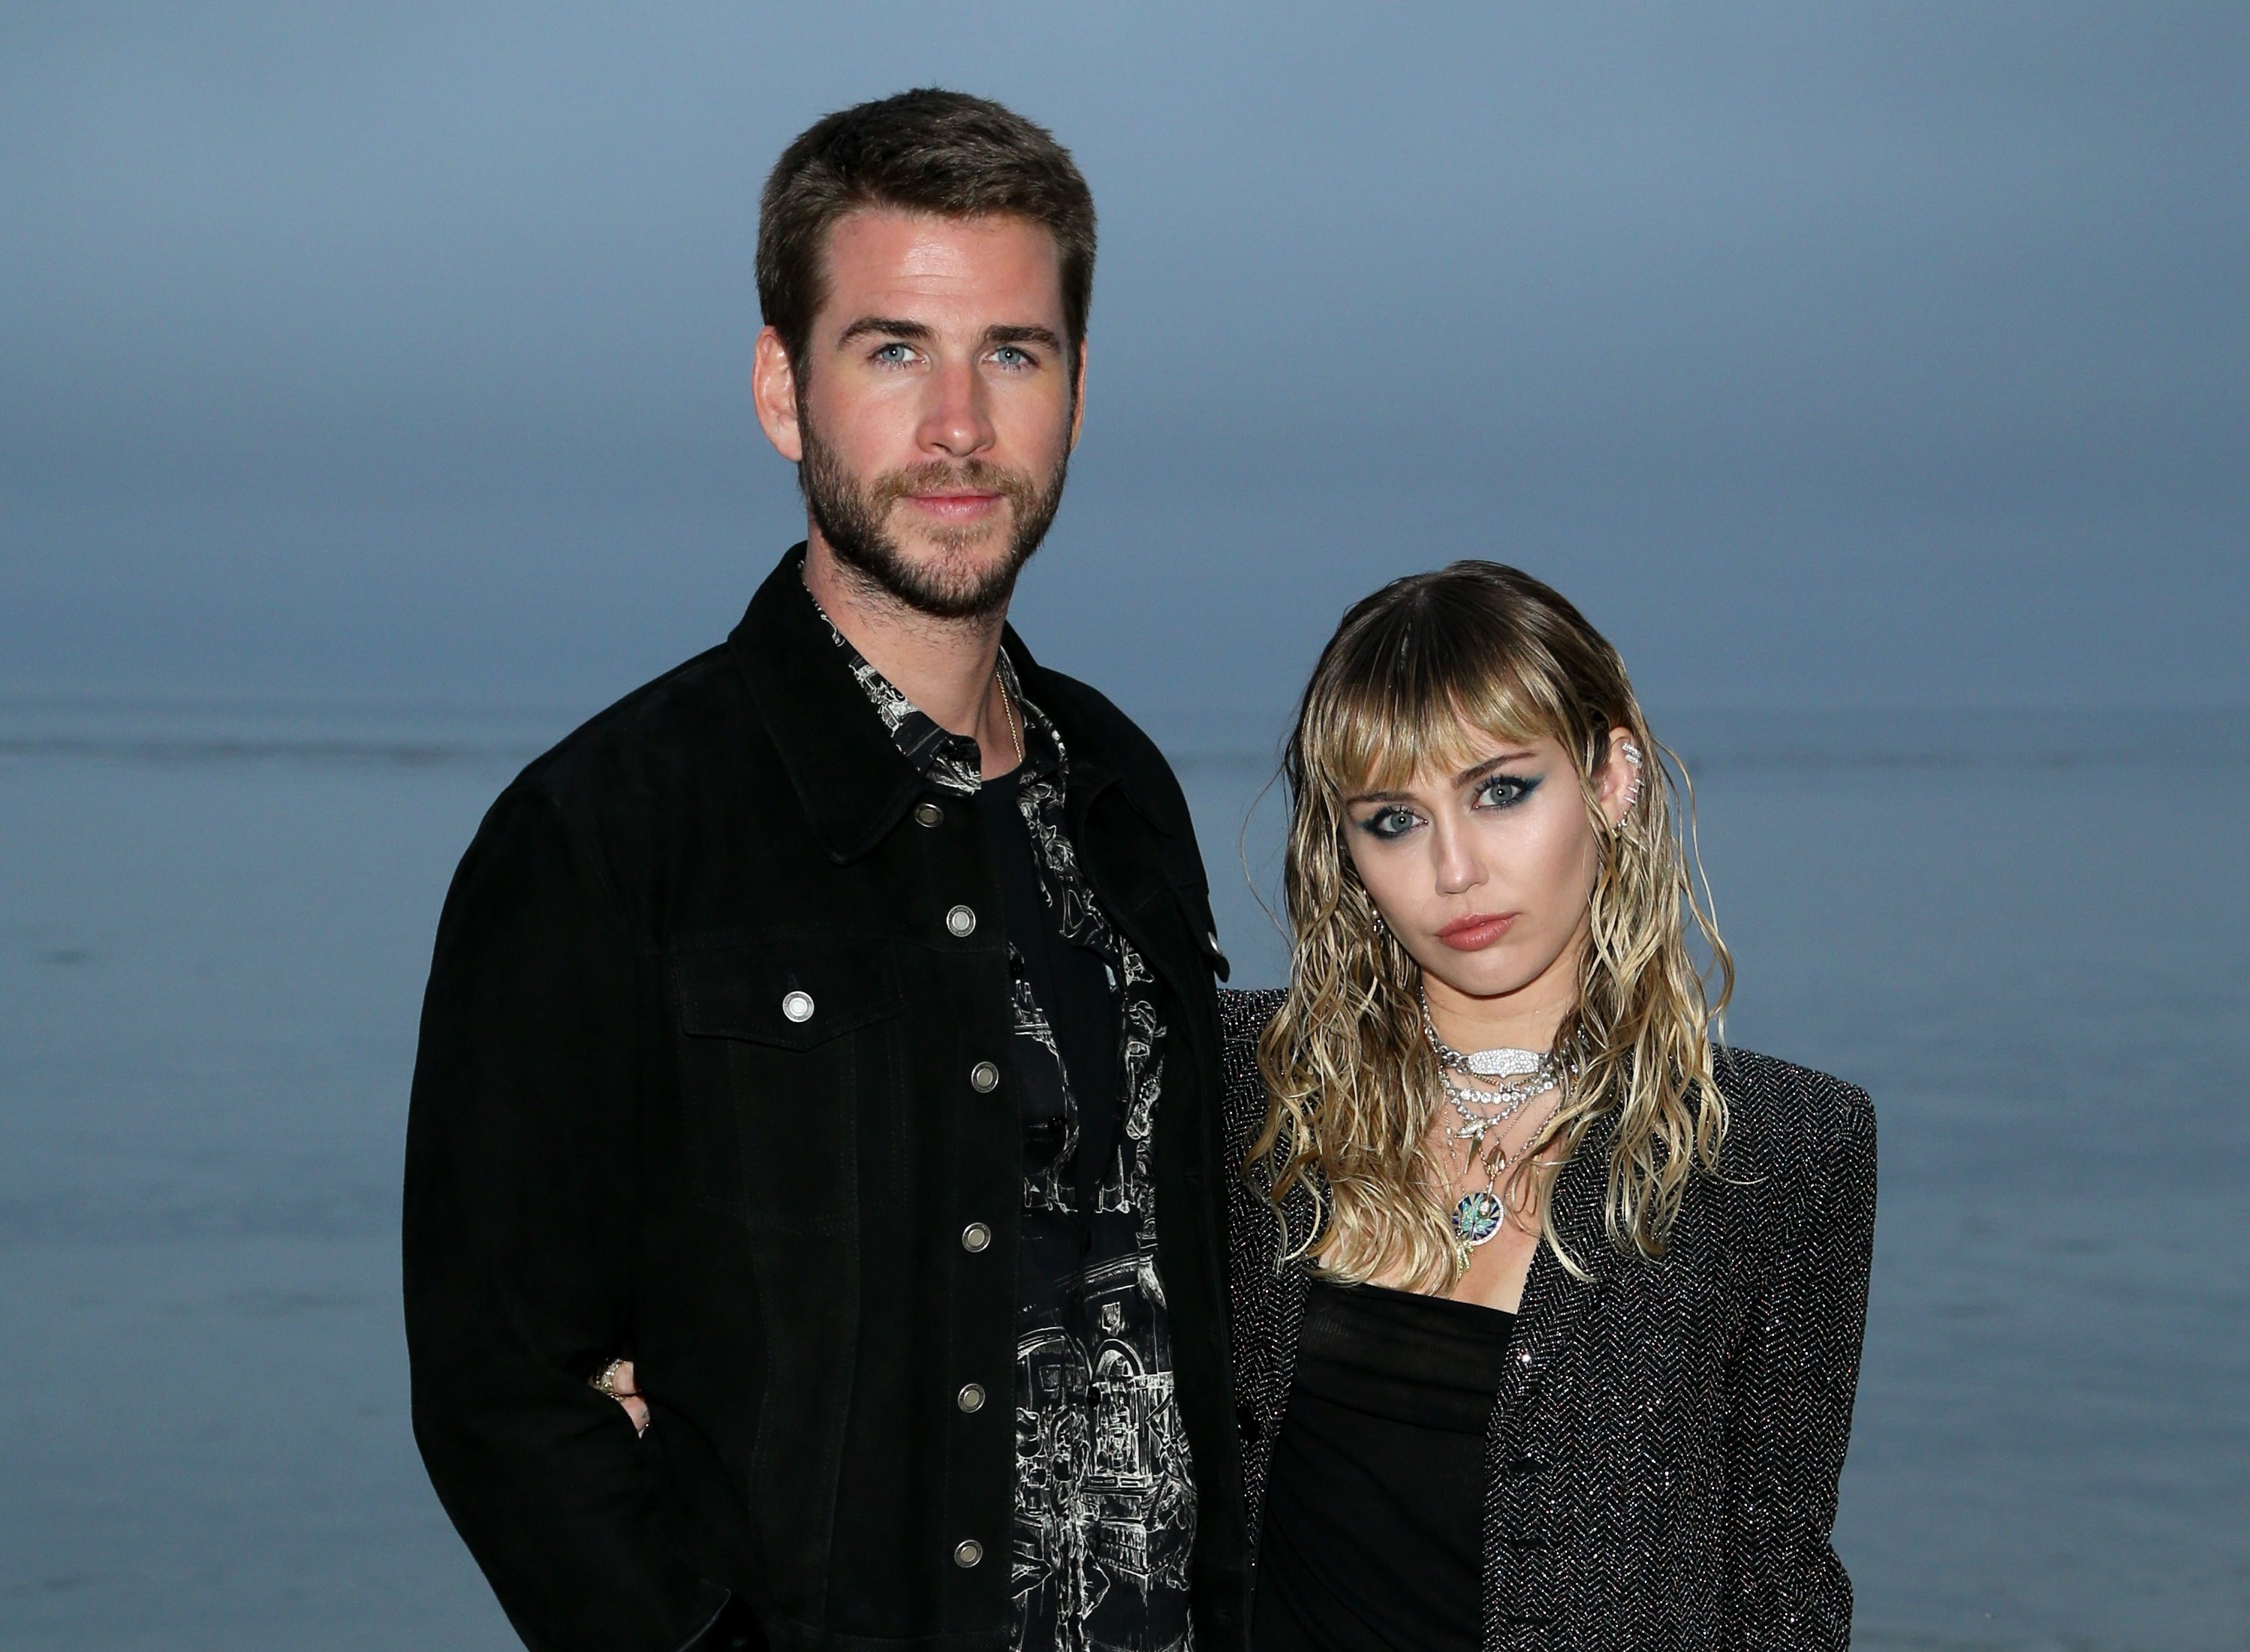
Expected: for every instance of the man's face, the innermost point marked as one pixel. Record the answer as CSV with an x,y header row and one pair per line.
x,y
933,413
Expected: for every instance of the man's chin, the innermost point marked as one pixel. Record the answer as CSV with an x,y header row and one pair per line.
x,y
946,573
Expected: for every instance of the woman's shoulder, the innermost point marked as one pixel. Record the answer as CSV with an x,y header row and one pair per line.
x,y
1243,1014
1782,1117
1243,1017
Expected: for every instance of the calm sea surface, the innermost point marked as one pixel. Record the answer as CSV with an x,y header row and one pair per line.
x,y
2029,937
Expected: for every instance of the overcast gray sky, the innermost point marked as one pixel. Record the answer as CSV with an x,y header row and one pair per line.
x,y
1828,355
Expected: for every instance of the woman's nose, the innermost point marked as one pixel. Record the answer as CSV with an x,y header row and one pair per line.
x,y
1454,860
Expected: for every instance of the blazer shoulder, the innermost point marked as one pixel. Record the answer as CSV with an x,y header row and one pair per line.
x,y
1244,1013
1243,1017
1785,1117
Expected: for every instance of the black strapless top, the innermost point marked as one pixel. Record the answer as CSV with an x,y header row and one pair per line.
x,y
1374,1531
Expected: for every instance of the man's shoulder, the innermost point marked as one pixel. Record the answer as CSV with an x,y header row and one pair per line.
x,y
1092,727
1083,710
662,735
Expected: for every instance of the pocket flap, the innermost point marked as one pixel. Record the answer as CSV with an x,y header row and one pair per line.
x,y
787,991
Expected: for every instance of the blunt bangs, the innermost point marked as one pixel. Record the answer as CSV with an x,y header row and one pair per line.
x,y
1413,688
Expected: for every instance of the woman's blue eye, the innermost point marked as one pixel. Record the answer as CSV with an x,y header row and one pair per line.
x,y
1504,791
1388,822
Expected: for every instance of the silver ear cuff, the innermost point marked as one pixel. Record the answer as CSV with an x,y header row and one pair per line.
x,y
1631,755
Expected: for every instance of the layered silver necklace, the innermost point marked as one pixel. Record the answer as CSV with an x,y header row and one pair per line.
x,y
1519,1076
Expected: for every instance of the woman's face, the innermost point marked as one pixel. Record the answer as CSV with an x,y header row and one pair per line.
x,y
1485,873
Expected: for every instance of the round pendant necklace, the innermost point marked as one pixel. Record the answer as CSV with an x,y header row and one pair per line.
x,y
1479,1214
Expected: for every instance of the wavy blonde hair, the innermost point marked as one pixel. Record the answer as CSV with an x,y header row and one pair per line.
x,y
1413,674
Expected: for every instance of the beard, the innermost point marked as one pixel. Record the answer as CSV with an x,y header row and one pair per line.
x,y
957,582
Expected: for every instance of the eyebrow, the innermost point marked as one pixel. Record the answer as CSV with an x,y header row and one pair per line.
x,y
887,325
920,333
1023,335
1466,777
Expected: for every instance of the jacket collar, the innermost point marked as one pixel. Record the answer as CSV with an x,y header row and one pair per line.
x,y
852,781
849,773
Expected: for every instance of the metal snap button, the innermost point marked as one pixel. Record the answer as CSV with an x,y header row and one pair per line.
x,y
927,814
797,1006
983,1078
961,921
971,1397
968,1552
975,1237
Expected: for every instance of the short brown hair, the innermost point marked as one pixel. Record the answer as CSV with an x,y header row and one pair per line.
x,y
928,150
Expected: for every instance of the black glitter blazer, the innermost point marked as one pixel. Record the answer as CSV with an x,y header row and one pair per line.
x,y
1664,1450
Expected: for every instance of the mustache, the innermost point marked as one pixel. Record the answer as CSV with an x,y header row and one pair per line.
x,y
976,475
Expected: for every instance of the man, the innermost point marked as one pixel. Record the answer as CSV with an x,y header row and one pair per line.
x,y
821,1048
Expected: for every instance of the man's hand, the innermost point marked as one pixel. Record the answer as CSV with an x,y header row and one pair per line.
x,y
615,1379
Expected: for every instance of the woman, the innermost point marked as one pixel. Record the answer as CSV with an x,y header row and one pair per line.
x,y
1548,1309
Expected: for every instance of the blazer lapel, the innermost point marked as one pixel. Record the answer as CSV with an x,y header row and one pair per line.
x,y
1555,1302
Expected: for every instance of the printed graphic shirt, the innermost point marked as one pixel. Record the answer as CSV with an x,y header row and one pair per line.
x,y
1105,1500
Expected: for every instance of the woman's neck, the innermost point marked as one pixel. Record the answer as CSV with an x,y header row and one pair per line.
x,y
1525,1019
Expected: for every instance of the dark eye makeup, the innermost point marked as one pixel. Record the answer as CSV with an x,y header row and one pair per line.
x,y
1387,822
1505,791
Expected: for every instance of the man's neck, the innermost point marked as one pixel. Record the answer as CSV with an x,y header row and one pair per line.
x,y
946,667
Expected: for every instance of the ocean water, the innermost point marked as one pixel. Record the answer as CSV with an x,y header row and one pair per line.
x,y
2026,935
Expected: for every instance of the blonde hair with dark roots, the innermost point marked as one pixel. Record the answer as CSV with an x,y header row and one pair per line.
x,y
1411,674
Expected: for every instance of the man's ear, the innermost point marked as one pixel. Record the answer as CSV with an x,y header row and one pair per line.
x,y
773,392
1078,397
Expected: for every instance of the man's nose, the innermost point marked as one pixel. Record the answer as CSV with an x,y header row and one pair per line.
x,y
957,422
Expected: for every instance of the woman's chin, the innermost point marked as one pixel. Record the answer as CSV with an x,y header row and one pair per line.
x,y
1477,975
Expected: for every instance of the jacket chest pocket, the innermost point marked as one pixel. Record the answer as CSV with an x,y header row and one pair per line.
x,y
787,1043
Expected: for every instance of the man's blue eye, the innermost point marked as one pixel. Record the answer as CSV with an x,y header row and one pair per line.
x,y
893,353
1009,356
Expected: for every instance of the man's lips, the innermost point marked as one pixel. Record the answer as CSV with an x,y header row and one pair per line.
x,y
956,504
1475,932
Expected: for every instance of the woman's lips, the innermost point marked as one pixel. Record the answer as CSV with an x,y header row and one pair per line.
x,y
1476,932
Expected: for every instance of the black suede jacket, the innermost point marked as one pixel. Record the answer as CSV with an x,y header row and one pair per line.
x,y
799,1223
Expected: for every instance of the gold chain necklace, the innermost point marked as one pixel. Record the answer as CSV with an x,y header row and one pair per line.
x,y
1008,714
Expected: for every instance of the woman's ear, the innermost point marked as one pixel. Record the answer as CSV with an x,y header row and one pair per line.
x,y
1620,781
